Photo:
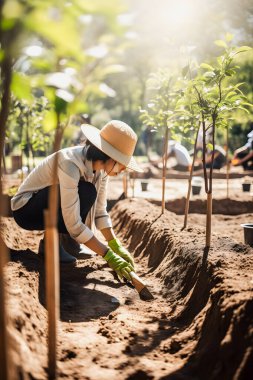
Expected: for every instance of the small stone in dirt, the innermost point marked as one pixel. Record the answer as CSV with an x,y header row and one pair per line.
x,y
129,301
128,349
115,300
67,355
174,346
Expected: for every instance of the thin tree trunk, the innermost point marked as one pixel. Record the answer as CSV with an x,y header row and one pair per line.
x,y
5,104
187,202
204,155
165,158
28,142
209,194
4,162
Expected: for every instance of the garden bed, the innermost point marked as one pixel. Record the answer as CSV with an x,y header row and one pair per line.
x,y
198,327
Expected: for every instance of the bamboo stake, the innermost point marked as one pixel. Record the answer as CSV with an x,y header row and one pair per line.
x,y
132,182
228,164
125,184
208,219
5,355
187,202
165,154
4,337
52,292
5,362
52,262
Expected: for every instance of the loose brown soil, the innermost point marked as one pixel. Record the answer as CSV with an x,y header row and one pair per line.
x,y
199,326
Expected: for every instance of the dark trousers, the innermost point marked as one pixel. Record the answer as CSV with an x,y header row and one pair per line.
x,y
247,165
31,215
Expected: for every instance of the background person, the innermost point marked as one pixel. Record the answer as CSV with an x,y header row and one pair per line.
x,y
244,155
181,155
219,158
82,177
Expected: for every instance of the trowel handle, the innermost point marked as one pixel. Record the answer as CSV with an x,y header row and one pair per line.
x,y
137,282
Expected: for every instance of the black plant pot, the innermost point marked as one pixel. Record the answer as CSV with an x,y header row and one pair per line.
x,y
248,233
144,186
246,186
196,189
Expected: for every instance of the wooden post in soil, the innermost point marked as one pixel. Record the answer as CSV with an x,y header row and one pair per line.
x,y
52,263
227,162
52,291
125,183
5,356
165,154
208,219
132,182
187,202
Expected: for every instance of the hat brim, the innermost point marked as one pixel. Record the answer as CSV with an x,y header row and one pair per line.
x,y
93,135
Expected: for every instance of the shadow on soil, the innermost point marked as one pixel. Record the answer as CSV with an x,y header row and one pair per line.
x,y
77,301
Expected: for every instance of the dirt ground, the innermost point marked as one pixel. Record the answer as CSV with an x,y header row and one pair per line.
x,y
199,326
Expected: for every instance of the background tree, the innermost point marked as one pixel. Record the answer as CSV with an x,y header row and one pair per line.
x,y
160,114
215,98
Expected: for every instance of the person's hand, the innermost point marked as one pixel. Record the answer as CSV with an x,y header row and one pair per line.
x,y
116,246
118,264
235,162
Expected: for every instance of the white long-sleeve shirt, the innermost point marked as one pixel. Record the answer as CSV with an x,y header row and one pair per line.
x,y
72,166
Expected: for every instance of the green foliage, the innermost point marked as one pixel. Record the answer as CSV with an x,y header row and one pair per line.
x,y
52,60
160,109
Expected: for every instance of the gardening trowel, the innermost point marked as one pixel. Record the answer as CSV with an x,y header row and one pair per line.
x,y
141,287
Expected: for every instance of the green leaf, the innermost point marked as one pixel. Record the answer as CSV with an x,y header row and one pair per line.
x,y
78,107
49,121
221,43
243,109
229,72
207,66
7,24
21,86
243,49
229,37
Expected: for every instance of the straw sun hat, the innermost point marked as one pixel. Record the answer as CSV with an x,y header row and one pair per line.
x,y
116,139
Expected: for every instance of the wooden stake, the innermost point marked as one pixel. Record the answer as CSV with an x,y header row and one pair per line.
x,y
52,261
165,158
228,164
4,338
52,292
125,183
187,202
5,355
208,219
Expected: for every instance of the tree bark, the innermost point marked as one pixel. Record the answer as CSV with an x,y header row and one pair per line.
x,y
187,202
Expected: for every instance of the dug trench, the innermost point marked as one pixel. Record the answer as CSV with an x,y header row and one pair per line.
x,y
199,326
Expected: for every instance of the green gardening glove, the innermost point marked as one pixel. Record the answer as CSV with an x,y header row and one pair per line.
x,y
116,246
119,265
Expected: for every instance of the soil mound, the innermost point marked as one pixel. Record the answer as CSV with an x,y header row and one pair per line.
x,y
223,206
210,292
198,327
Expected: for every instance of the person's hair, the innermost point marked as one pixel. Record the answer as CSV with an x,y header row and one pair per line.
x,y
95,154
